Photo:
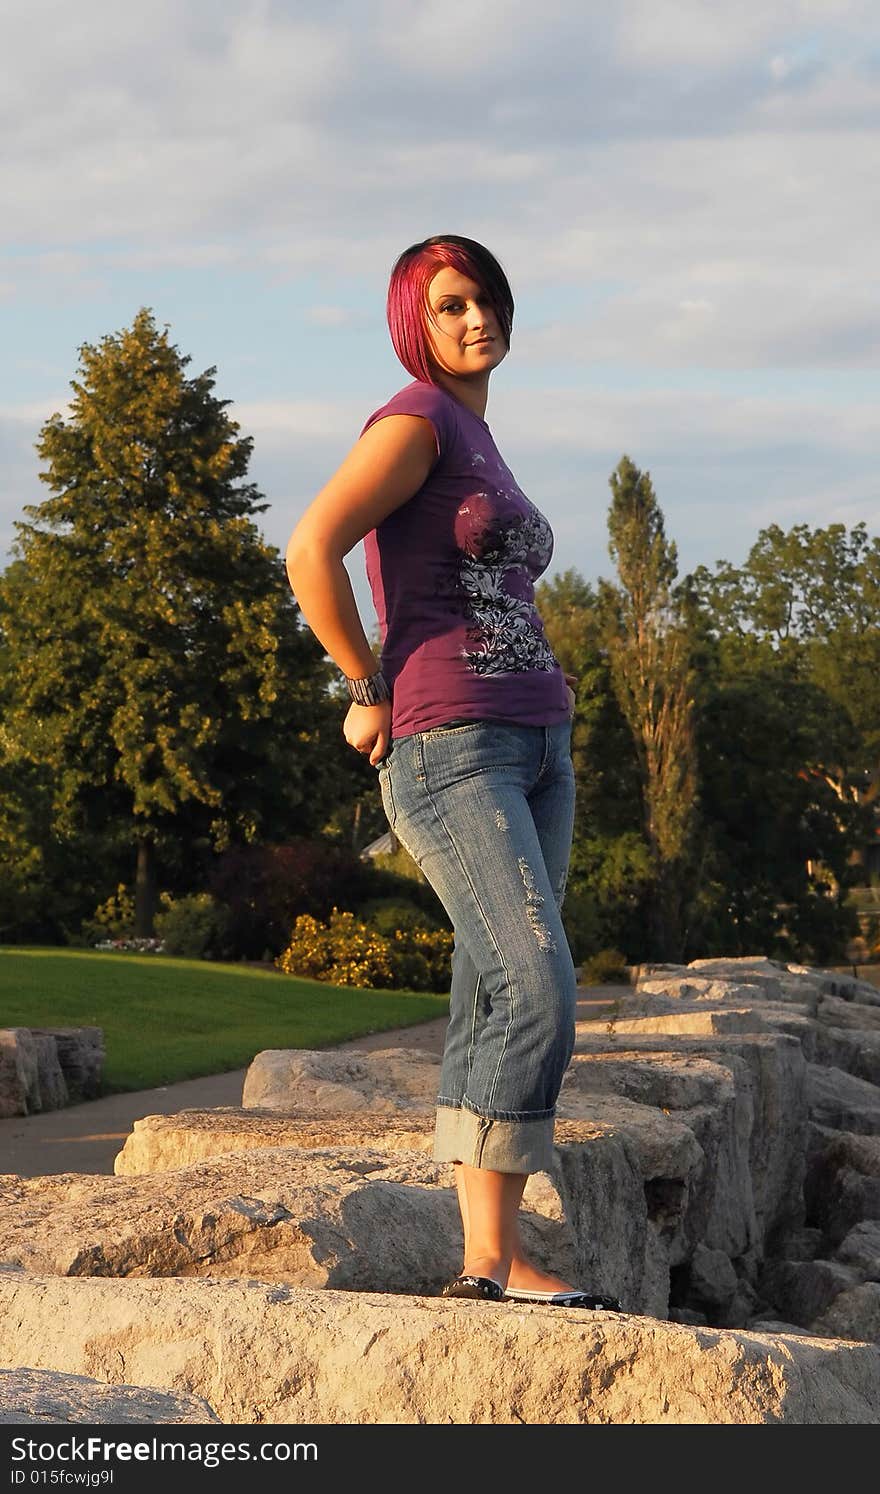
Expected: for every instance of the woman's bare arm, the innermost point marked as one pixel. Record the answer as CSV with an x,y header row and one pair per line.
x,y
382,471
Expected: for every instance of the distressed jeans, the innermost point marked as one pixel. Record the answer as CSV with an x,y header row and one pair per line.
x,y
486,809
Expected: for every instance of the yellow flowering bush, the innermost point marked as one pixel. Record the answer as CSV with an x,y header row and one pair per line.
x,y
111,920
347,952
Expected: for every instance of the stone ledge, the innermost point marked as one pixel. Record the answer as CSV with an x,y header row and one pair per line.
x,y
31,1397
286,1356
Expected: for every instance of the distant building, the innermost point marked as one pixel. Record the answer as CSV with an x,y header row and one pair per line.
x,y
386,845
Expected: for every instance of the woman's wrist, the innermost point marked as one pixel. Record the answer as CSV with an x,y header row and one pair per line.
x,y
372,689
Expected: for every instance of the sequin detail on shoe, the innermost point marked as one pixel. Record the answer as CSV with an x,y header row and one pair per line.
x,y
480,1287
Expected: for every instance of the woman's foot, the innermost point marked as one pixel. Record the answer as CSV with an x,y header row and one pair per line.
x,y
517,1274
524,1277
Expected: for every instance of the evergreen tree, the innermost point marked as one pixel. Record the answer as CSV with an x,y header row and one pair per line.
x,y
649,648
157,670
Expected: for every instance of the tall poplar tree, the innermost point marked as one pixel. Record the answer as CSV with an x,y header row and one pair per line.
x,y
157,667
649,650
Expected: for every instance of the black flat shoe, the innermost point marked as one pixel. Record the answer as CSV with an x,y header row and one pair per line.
x,y
482,1287
564,1299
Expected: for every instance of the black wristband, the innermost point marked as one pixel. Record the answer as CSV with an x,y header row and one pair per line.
x,y
370,691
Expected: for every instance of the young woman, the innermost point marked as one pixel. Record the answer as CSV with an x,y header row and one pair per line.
x,y
468,720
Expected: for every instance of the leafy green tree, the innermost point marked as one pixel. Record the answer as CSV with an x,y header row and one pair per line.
x,y
776,838
650,656
158,673
810,599
609,877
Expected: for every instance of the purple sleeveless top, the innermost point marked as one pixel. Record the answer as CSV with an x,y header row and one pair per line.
x,y
453,572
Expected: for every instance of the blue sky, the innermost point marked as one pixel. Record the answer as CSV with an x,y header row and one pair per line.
x,y
685,195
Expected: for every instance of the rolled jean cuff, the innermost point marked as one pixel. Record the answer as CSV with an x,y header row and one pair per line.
x,y
497,1145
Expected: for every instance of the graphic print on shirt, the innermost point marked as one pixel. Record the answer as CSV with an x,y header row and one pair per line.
x,y
501,555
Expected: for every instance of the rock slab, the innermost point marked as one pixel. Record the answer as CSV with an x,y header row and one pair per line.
x,y
260,1354
31,1397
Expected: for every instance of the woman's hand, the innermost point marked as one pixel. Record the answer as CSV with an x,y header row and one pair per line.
x,y
368,729
571,681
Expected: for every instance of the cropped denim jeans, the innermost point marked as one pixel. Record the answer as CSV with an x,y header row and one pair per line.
x,y
486,809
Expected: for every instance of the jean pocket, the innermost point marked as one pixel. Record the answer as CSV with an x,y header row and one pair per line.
x,y
449,728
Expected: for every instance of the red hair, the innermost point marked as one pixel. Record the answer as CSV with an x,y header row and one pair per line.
x,y
408,306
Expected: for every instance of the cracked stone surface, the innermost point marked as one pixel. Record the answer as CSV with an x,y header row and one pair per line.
x,y
280,1355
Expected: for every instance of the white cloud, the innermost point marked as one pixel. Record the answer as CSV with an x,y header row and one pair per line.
x,y
671,184
697,33
279,421
680,420
330,316
32,413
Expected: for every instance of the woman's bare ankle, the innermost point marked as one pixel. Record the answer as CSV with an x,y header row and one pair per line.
x,y
495,1267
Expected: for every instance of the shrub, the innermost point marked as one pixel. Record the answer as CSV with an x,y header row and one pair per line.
x,y
387,914
345,951
607,966
112,920
267,887
194,927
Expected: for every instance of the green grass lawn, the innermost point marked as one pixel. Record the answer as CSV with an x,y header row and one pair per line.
x,y
165,1020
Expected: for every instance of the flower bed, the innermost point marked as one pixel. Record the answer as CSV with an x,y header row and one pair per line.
x,y
139,946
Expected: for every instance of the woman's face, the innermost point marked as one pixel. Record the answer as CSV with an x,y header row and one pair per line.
x,y
463,331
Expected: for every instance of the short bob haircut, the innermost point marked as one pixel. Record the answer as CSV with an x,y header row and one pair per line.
x,y
408,305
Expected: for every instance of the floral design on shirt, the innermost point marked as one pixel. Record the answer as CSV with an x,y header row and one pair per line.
x,y
504,635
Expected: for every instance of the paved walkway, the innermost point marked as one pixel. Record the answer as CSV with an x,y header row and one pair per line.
x,y
87,1137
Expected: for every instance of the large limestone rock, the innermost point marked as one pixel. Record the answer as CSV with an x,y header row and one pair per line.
x,y
842,1187
802,1290
712,1279
743,982
702,1095
656,1155
160,1143
854,1045
618,1248
45,1068
277,1355
853,1314
19,1072
855,1050
685,1018
777,981
753,1131
330,1082
834,1011
30,1397
684,1126
631,1215
861,1248
357,1219
841,1102
50,1091
688,1163
81,1056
